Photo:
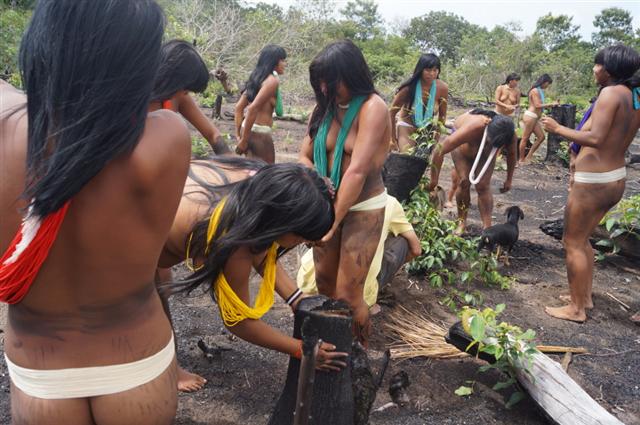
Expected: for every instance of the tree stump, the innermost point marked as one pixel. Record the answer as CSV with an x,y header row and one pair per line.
x,y
333,397
566,116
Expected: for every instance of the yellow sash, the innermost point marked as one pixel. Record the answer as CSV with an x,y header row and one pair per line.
x,y
232,309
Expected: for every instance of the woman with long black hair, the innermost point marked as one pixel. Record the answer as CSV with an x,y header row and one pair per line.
x,y
600,174
531,116
90,182
348,142
259,100
181,71
417,100
237,215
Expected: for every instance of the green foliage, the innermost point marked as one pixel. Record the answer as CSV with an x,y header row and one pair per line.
x,y
13,22
442,250
556,31
564,153
624,218
200,148
364,16
614,26
440,32
512,348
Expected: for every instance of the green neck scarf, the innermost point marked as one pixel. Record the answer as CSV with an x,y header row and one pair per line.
x,y
279,108
320,141
420,116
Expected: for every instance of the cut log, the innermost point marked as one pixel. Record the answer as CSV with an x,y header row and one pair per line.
x,y
629,242
333,399
563,401
292,117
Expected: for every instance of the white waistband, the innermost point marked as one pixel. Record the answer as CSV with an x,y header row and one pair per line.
x,y
90,381
257,128
606,177
375,203
531,114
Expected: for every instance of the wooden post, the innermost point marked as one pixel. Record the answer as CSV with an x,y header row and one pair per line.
x,y
333,398
306,380
560,397
566,116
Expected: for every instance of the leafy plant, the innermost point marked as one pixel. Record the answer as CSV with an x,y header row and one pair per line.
x,y
624,218
442,250
563,153
512,348
200,147
426,137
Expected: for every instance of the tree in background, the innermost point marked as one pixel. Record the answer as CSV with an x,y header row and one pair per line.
x,y
614,26
556,32
440,32
14,16
364,16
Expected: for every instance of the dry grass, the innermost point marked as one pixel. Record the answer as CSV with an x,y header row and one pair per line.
x,y
417,336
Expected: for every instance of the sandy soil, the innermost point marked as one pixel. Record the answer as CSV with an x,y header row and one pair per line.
x,y
244,383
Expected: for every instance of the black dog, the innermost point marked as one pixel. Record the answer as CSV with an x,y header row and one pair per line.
x,y
503,235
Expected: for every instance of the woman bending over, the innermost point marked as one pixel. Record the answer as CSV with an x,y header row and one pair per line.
x,y
236,215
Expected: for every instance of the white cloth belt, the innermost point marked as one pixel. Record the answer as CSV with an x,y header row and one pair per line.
x,y
90,381
475,180
595,178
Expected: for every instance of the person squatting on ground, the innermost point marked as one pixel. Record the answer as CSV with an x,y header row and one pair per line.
x,y
507,97
90,181
600,173
417,100
237,215
181,71
348,141
395,224
532,115
259,100
478,136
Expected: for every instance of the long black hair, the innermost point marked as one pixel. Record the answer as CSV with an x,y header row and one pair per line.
x,y
622,63
426,61
181,68
500,130
339,62
267,62
511,77
278,199
544,78
88,74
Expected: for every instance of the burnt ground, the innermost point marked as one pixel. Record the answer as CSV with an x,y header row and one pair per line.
x,y
244,383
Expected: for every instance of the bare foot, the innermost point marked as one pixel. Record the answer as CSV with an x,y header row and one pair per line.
x,y
374,309
636,318
189,382
567,299
459,230
448,204
568,312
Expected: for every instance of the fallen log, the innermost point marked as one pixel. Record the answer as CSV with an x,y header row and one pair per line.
x,y
561,399
628,242
302,119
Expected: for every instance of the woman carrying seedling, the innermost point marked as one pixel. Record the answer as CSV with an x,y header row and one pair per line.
x,y
417,100
181,71
259,100
600,174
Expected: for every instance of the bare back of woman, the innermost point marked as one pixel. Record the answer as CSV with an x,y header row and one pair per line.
x,y
91,324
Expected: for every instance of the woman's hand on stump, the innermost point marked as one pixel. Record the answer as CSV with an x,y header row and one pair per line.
x,y
330,360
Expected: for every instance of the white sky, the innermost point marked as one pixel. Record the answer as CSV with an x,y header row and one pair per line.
x,y
496,12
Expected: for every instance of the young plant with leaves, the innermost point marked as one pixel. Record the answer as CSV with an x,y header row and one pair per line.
x,y
512,348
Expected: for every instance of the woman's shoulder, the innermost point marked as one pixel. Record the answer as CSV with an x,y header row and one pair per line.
x,y
442,85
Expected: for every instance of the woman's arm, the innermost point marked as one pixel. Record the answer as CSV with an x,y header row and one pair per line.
x,y
237,271
189,109
239,114
442,111
306,152
396,105
601,120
